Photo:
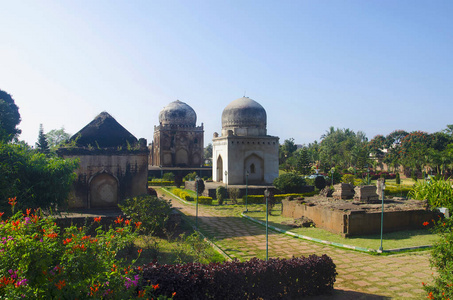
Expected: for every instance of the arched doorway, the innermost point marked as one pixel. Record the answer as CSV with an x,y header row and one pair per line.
x,y
103,191
220,169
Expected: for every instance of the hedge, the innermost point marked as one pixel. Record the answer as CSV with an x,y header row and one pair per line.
x,y
187,197
205,200
163,183
392,190
254,279
259,199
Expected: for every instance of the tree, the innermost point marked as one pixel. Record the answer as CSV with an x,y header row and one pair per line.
x,y
42,145
286,150
9,118
414,149
302,161
208,152
289,183
57,137
35,179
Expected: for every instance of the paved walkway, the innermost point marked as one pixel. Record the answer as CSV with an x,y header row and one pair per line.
x,y
360,275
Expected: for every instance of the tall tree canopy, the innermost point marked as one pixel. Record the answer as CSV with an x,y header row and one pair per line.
x,y
9,118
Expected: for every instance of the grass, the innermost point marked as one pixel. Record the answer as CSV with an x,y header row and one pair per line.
x,y
392,240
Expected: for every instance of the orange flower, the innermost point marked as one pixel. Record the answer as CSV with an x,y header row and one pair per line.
x,y
28,211
141,294
12,201
155,286
1,214
174,293
60,284
139,251
118,220
137,224
127,222
97,219
425,223
66,241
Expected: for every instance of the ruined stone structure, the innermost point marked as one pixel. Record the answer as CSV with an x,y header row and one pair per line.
x,y
244,146
113,164
178,142
343,191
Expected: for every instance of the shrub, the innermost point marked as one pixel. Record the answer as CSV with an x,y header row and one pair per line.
x,y
35,179
438,192
158,182
289,183
205,200
296,277
152,212
178,181
442,261
397,178
348,178
220,193
190,176
320,182
234,194
40,261
168,177
199,184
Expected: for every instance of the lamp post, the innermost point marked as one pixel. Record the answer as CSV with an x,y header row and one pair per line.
x,y
161,176
246,189
382,214
266,194
196,205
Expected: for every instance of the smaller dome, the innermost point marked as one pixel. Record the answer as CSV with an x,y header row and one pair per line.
x,y
178,113
247,114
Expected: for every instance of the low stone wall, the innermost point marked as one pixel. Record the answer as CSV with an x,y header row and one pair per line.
x,y
356,222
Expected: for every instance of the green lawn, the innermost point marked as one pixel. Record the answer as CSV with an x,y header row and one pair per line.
x,y
394,240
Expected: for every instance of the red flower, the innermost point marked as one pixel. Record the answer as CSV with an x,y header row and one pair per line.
x,y
60,284
139,251
425,223
12,201
137,224
118,220
97,219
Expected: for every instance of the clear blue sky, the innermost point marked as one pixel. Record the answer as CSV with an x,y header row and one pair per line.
x,y
373,66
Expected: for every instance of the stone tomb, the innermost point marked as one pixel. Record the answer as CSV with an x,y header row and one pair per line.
x,y
353,218
366,193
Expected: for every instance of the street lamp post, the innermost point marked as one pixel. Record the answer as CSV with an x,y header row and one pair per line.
x,y
266,194
246,189
196,205
161,176
382,214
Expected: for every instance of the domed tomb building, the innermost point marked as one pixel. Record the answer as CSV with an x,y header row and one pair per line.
x,y
178,142
244,148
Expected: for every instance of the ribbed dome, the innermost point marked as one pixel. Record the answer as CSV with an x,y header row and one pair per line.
x,y
178,113
244,113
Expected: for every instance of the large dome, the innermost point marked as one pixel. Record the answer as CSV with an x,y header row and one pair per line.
x,y
178,113
244,116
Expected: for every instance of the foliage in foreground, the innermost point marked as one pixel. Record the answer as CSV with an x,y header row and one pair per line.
x,y
152,212
253,279
437,191
442,261
40,261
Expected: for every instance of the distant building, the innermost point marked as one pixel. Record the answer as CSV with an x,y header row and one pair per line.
x,y
178,142
113,164
244,148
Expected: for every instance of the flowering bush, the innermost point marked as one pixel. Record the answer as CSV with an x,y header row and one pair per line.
x,y
442,260
39,260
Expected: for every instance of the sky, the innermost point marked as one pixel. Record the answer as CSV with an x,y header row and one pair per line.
x,y
371,66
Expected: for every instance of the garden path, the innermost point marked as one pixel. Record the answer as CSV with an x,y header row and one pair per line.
x,y
360,275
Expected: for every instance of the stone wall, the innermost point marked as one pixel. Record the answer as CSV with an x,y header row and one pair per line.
x,y
103,179
356,222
